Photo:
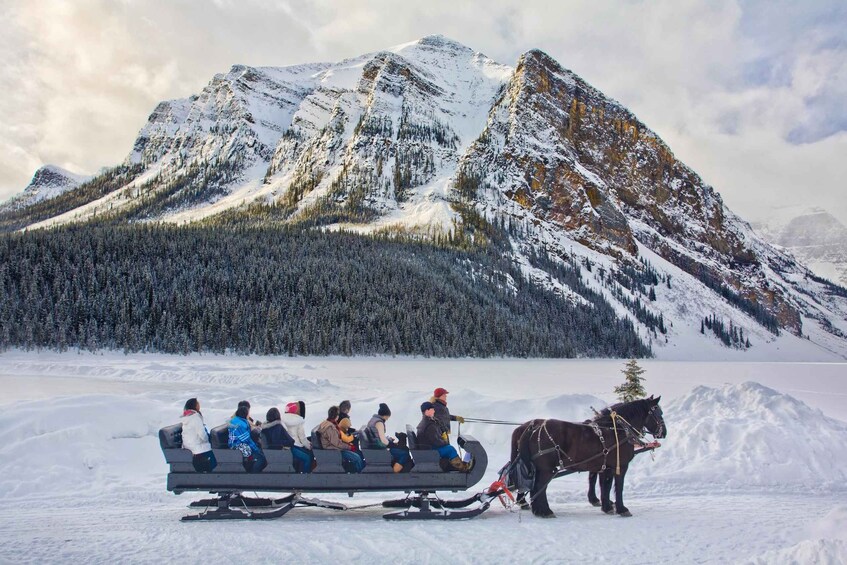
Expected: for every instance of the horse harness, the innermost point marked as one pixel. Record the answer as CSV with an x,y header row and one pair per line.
x,y
630,433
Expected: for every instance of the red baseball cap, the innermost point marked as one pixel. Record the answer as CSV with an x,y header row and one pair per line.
x,y
440,392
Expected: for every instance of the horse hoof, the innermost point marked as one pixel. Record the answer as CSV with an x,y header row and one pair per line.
x,y
625,514
525,507
550,515
609,511
594,502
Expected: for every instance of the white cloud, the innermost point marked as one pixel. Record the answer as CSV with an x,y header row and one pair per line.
x,y
749,93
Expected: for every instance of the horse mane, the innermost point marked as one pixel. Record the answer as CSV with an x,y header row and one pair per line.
x,y
628,410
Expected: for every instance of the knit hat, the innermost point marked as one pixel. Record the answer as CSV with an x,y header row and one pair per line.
x,y
440,392
384,410
292,408
426,406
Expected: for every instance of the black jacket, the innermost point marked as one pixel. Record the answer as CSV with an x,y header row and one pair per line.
x,y
429,434
276,436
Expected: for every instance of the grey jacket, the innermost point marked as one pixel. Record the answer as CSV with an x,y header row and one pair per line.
x,y
442,415
429,434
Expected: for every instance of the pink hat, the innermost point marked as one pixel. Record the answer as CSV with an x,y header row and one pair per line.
x,y
292,408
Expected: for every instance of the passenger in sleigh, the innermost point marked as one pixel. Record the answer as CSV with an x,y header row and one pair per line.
x,y
401,458
275,434
255,425
430,436
240,438
330,435
348,432
293,420
442,413
195,437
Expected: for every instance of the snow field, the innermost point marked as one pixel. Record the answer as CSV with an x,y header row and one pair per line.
x,y
748,473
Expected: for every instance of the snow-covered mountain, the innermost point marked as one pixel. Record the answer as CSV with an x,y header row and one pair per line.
x,y
814,236
431,137
48,182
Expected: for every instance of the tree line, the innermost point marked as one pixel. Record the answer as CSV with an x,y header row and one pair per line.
x,y
285,290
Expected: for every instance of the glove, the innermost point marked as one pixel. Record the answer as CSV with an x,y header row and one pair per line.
x,y
460,419
444,436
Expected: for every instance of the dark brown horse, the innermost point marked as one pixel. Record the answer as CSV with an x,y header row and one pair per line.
x,y
604,419
553,446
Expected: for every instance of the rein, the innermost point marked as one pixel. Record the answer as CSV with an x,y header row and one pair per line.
x,y
499,422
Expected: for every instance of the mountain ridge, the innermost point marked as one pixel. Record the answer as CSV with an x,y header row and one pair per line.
x,y
431,137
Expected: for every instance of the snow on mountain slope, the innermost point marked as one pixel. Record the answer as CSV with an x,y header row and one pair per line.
x,y
813,235
559,156
424,136
48,182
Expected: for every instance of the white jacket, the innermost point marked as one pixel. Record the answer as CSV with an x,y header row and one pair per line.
x,y
194,434
294,425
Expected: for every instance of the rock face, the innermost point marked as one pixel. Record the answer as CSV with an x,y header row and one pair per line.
x,y
48,182
432,137
816,238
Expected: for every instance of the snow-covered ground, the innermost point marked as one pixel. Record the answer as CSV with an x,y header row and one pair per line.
x,y
753,469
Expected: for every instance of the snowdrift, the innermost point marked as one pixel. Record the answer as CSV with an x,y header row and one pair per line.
x,y
748,435
747,473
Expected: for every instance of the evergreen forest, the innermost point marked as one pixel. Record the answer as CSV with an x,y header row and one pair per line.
x,y
287,290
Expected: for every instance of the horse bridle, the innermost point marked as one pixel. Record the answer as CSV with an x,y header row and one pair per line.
x,y
660,423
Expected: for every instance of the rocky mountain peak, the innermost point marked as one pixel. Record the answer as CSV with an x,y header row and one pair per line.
x,y
438,41
431,137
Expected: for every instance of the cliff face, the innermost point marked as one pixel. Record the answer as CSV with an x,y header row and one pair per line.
x,y
567,154
48,182
417,137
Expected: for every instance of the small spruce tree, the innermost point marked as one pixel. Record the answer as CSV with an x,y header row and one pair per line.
x,y
631,389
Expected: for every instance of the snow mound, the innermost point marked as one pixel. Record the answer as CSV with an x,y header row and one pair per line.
x,y
79,444
833,525
749,435
820,552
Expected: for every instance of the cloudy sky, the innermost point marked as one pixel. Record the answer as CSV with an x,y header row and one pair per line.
x,y
750,93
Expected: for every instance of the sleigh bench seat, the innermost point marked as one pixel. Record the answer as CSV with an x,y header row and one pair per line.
x,y
328,476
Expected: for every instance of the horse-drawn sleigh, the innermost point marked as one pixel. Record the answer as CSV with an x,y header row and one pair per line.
x,y
541,449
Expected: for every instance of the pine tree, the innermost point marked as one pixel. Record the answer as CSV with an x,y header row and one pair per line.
x,y
631,389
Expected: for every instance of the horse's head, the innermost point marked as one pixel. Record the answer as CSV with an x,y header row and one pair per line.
x,y
655,423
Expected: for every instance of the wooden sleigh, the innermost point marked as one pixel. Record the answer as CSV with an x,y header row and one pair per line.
x,y
229,480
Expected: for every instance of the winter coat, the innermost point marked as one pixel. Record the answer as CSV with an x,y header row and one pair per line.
x,y
294,425
331,436
442,415
276,436
376,427
429,434
239,435
344,426
195,436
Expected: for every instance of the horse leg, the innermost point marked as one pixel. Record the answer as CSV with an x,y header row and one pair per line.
x,y
620,509
538,495
605,491
516,435
592,496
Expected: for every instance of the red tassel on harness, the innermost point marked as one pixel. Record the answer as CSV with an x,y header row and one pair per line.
x,y
500,486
